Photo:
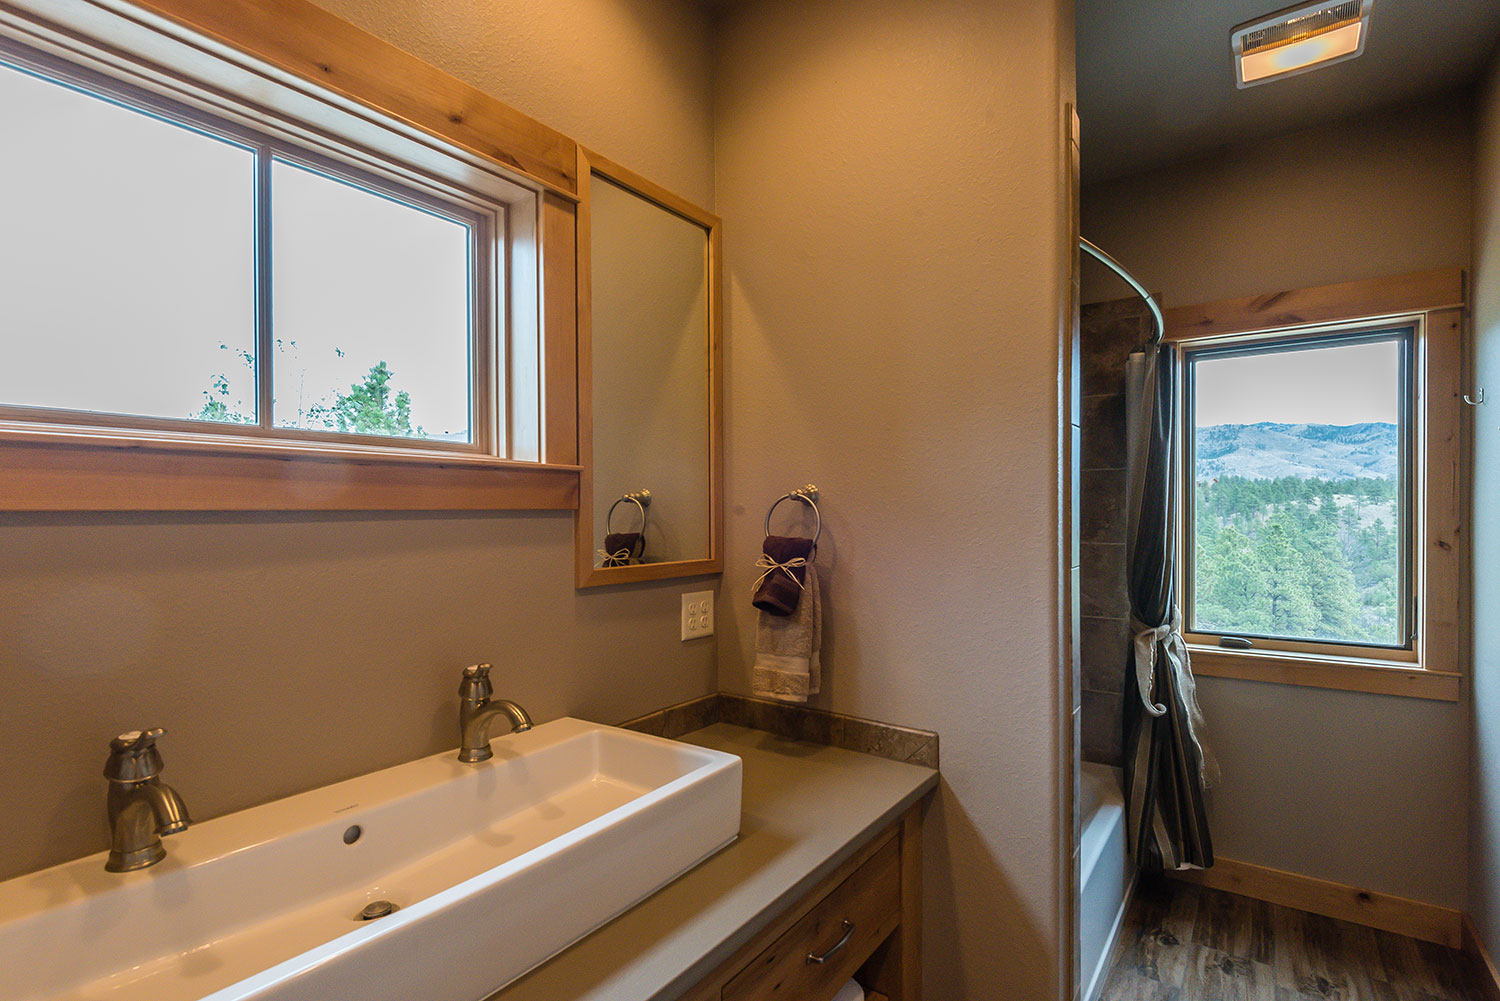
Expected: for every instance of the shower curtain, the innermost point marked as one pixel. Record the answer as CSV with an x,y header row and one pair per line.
x,y
1166,766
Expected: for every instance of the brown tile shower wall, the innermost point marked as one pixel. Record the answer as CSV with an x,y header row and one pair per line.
x,y
1109,332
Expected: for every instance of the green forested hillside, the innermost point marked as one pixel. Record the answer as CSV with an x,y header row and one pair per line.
x,y
1306,558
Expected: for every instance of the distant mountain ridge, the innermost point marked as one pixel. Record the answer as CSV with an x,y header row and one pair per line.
x,y
1269,451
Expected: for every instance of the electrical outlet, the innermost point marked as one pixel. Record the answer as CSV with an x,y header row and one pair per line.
x,y
697,614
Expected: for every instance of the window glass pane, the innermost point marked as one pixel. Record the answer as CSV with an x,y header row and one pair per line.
x,y
127,260
370,311
1298,501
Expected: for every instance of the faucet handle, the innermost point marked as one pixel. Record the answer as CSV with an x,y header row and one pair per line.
x,y
136,741
476,684
133,756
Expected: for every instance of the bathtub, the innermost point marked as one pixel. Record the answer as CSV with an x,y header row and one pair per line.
x,y
1104,878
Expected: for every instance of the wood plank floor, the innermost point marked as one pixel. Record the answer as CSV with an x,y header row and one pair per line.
x,y
1188,943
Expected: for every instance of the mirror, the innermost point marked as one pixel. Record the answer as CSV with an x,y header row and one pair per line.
x,y
648,381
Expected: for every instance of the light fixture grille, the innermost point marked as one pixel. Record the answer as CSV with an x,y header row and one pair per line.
x,y
1302,26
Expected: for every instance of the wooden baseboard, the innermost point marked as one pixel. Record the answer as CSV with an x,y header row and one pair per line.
x,y
1474,946
1415,918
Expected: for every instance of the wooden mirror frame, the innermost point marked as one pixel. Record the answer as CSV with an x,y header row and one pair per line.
x,y
586,573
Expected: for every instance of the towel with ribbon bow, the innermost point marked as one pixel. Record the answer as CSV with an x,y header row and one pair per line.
x,y
780,587
788,660
620,548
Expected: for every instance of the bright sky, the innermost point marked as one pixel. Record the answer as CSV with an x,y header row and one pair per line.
x,y
1350,384
127,257
377,279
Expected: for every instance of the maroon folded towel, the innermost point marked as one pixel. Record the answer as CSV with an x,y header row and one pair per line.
x,y
630,543
780,590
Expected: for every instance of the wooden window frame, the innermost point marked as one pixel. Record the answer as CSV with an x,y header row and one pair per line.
x,y
1408,329
485,220
305,73
1432,303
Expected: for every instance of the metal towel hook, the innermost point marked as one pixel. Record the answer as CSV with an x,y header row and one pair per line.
x,y
1475,403
807,495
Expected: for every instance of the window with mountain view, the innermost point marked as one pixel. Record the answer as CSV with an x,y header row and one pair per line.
x,y
1299,499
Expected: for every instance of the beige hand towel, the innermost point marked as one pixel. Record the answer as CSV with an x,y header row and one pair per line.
x,y
786,648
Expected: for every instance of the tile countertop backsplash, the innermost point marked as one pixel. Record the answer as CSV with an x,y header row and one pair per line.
x,y
794,722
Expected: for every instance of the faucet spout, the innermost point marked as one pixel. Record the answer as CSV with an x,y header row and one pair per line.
x,y
168,808
140,815
477,710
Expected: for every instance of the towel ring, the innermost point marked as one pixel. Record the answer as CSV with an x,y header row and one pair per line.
x,y
640,498
807,495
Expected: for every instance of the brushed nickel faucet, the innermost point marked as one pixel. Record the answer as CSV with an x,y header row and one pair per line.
x,y
142,808
476,710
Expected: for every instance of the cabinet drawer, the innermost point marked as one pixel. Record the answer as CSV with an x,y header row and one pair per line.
x,y
859,913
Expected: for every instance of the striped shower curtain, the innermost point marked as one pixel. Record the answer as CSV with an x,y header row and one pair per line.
x,y
1166,766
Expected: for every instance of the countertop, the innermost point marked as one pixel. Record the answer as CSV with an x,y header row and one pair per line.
x,y
806,808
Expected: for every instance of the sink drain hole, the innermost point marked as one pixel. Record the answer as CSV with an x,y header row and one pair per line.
x,y
378,909
352,834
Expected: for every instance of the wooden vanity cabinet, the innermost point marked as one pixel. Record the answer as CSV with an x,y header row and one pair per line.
x,y
864,920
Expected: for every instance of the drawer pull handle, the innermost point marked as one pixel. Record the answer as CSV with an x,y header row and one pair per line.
x,y
848,934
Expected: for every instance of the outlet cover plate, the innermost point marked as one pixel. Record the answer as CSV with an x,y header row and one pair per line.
x,y
697,615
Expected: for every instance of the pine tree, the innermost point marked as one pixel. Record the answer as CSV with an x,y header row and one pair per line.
x,y
369,406
1289,557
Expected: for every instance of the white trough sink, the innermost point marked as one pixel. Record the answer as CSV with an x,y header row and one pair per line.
x,y
495,867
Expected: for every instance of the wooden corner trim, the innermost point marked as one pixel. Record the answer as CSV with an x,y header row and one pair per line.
x,y
1474,946
308,42
1415,918
559,307
646,188
1415,292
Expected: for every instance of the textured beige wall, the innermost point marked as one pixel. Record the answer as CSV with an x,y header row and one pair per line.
x,y
1362,789
1373,196
1484,831
1365,790
285,652
889,172
627,78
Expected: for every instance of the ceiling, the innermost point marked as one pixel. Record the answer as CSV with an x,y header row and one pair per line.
x,y
1156,82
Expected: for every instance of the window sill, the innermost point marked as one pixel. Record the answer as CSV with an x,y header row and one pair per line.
x,y
90,472
1375,677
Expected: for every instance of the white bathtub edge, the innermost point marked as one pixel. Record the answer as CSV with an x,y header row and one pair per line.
x,y
1107,955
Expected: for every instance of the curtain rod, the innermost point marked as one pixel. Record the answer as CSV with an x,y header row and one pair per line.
x,y
1140,290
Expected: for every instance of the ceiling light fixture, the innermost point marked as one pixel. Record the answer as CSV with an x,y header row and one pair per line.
x,y
1297,39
